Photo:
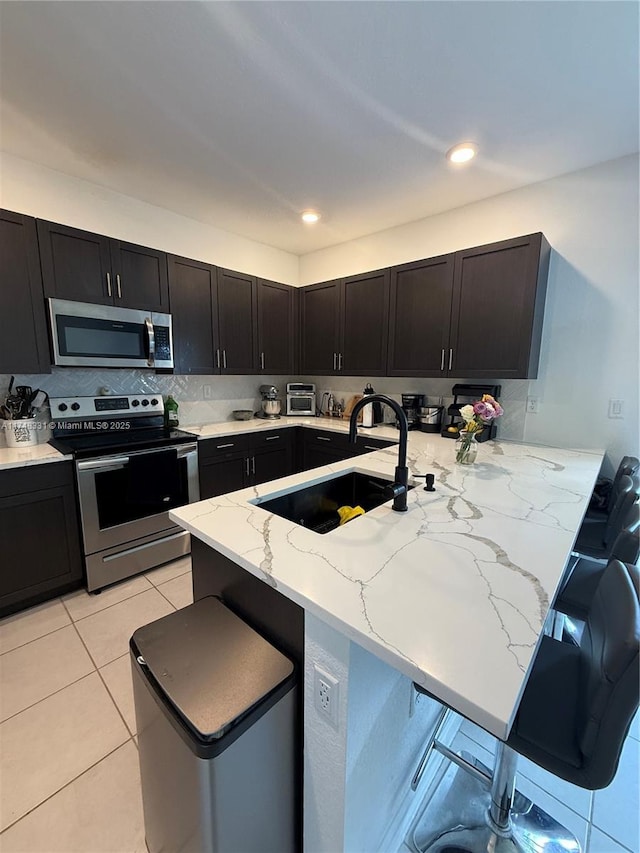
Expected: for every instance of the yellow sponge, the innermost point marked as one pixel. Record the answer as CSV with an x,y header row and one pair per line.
x,y
346,513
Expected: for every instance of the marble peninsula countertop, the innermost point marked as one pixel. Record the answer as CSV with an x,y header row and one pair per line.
x,y
454,593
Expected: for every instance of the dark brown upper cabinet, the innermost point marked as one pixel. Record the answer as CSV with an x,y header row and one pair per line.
x,y
237,322
86,267
497,309
214,318
320,323
344,325
419,317
24,346
365,324
276,327
194,308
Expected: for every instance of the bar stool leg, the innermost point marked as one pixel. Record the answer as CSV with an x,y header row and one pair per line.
x,y
462,816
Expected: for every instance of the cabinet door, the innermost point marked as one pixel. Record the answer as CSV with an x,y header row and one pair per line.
x,y
271,464
40,546
365,312
220,476
275,328
76,264
320,314
498,306
194,297
24,346
237,321
139,277
419,317
316,455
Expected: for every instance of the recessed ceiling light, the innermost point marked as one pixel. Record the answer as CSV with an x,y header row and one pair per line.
x,y
310,216
462,152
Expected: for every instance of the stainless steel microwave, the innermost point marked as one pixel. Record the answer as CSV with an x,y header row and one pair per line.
x,y
85,335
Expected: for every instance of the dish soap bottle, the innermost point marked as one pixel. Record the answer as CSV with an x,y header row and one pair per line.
x,y
367,411
170,412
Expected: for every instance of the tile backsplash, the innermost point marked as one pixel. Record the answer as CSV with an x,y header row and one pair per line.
x,y
211,399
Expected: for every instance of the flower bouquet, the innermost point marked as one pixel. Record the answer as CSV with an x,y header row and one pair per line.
x,y
476,416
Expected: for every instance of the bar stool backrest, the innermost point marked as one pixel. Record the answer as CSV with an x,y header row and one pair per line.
x,y
622,511
610,651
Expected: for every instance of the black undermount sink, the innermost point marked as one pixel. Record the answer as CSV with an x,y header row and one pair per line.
x,y
316,506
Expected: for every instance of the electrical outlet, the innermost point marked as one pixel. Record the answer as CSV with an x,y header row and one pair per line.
x,y
326,690
616,409
206,392
532,405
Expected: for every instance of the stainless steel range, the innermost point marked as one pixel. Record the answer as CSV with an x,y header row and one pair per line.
x,y
131,470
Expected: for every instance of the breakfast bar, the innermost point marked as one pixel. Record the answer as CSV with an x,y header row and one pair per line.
x,y
453,594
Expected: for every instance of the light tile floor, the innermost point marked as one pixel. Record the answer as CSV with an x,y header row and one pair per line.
x,y
69,778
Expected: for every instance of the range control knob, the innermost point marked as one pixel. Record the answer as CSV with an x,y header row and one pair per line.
x,y
62,407
145,402
135,403
154,402
75,406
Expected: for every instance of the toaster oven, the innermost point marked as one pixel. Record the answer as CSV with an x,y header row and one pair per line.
x,y
301,398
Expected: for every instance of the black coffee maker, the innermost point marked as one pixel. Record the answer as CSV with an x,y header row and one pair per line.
x,y
412,403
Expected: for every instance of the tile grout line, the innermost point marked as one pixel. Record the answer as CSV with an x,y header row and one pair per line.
x,y
109,606
70,782
35,640
101,677
46,634
48,696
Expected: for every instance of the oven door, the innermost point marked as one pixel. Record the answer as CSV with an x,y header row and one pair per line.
x,y
301,404
125,497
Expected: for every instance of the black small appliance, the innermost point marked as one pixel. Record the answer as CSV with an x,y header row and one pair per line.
x,y
464,395
412,404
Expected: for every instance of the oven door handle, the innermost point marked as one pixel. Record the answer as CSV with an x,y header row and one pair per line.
x,y
183,450
151,341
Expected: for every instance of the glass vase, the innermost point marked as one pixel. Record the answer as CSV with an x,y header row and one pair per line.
x,y
466,448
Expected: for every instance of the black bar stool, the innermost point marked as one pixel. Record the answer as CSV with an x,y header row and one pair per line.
x,y
629,466
573,720
596,538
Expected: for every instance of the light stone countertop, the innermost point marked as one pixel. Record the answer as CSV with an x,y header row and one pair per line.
x,y
386,431
454,592
21,457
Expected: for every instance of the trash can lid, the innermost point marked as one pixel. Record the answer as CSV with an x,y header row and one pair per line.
x,y
212,667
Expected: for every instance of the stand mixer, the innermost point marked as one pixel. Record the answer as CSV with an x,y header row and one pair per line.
x,y
271,405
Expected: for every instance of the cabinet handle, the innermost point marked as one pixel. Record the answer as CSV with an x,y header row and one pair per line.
x,y
442,360
262,360
335,361
224,359
339,361
109,284
247,466
450,358
272,437
222,446
322,438
118,286
253,465
218,358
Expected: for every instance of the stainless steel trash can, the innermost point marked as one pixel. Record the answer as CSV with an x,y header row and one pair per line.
x,y
215,706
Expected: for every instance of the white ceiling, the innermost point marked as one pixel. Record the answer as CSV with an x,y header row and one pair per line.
x,y
242,114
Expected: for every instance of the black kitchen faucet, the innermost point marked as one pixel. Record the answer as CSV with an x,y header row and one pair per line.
x,y
398,489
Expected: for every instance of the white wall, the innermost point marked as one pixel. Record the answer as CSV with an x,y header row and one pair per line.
x,y
35,190
590,336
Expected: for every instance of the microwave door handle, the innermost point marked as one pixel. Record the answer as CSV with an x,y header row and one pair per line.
x,y
151,338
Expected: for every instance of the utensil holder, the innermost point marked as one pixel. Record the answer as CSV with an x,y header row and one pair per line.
x,y
20,433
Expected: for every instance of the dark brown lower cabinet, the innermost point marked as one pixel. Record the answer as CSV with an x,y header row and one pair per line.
x,y
322,447
40,535
229,463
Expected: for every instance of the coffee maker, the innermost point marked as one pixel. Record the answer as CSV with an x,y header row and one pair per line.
x,y
412,404
271,405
